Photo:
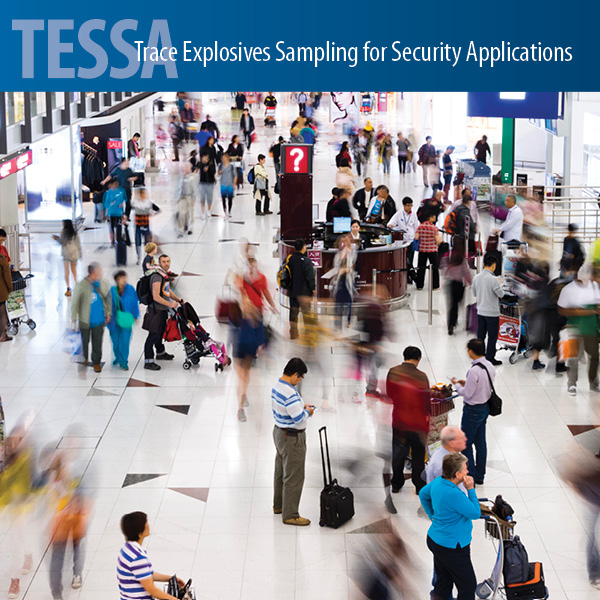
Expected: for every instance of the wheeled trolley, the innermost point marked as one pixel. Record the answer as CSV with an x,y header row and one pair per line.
x,y
270,117
16,305
512,331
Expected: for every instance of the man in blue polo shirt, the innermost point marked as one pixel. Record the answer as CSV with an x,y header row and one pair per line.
x,y
289,435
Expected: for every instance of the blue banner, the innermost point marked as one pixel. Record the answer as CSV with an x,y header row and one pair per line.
x,y
398,46
514,105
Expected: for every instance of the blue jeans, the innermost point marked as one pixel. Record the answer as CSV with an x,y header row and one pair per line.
x,y
141,232
593,556
489,326
386,164
121,340
474,418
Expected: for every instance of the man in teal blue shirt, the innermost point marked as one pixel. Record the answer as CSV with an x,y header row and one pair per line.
x,y
449,537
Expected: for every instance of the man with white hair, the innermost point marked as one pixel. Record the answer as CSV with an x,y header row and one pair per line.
x,y
453,440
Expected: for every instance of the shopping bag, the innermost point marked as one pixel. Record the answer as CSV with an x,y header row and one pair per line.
x,y
73,345
568,344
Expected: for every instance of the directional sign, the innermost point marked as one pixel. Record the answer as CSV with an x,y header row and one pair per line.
x,y
315,258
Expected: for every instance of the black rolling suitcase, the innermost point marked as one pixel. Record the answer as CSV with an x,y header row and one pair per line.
x,y
533,589
122,238
337,502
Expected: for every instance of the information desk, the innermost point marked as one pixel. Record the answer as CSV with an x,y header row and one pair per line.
x,y
389,259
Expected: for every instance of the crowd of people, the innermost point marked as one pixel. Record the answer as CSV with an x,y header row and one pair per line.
x,y
561,317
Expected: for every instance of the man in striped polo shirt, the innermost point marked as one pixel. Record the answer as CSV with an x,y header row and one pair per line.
x,y
289,435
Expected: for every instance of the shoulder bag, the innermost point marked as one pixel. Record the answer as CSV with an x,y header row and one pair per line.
x,y
125,320
495,402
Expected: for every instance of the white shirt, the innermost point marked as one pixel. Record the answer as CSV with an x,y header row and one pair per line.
x,y
512,228
578,294
406,222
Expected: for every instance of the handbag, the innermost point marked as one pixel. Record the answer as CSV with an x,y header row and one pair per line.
x,y
125,320
495,402
151,321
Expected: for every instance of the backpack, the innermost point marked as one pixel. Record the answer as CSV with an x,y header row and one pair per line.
x,y
251,175
284,275
450,223
516,562
144,290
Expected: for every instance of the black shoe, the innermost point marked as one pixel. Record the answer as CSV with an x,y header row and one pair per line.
x,y
259,214
395,490
268,212
450,330
496,362
479,481
561,367
164,356
152,366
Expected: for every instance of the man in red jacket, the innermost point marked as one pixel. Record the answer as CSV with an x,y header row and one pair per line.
x,y
409,390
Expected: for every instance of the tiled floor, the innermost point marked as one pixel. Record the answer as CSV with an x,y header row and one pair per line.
x,y
174,448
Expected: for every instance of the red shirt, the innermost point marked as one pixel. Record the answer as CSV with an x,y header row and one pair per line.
x,y
4,251
256,289
427,232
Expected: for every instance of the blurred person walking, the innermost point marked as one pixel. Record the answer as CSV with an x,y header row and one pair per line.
x,y
124,313
227,173
302,286
235,150
206,185
429,239
289,435
447,164
144,208
247,127
573,251
579,301
70,250
249,340
175,134
482,149
386,152
458,275
114,202
343,153
476,390
344,178
344,263
186,198
91,308
450,534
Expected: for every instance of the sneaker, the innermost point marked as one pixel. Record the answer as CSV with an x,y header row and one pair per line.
x,y
151,366
561,367
190,232
259,214
137,262
115,362
595,387
242,416
97,368
76,583
537,364
572,390
245,400
373,394
164,356
124,367
27,564
68,292
496,362
595,583
15,588
268,212
298,521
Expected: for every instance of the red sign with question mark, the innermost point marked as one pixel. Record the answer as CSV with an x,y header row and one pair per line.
x,y
296,159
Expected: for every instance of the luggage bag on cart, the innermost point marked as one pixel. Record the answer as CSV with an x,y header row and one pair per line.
x,y
337,502
472,318
533,589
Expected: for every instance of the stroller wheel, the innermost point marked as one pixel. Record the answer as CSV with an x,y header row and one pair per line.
x,y
186,365
32,324
512,359
195,361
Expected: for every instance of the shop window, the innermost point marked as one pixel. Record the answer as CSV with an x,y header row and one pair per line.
x,y
38,103
15,107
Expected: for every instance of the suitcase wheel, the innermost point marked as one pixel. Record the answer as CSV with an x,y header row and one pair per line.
x,y
32,324
322,523
186,365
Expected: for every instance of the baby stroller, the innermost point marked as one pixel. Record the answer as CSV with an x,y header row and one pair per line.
x,y
197,343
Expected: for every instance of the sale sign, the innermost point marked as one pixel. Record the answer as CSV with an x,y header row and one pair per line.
x,y
114,144
297,158
15,164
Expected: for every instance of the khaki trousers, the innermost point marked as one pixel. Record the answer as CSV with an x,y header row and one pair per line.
x,y
289,471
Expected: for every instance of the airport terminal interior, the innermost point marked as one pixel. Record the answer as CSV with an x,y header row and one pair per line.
x,y
171,443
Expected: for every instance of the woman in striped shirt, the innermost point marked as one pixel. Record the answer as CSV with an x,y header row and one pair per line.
x,y
135,573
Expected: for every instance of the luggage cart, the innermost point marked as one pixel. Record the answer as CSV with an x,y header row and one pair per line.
x,y
16,306
512,332
438,419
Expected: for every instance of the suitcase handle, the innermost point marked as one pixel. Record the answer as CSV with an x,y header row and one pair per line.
x,y
324,429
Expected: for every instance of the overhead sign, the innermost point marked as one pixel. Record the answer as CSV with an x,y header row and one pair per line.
x,y
296,158
15,164
515,105
315,258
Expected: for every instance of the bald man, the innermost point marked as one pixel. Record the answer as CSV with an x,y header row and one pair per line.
x,y
453,440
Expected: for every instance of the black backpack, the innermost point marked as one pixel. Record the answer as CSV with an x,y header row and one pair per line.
x,y
144,290
516,562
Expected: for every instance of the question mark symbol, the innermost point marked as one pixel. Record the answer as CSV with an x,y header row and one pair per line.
x,y
296,154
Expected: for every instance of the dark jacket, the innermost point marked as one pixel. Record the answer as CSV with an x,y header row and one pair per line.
x,y
462,213
243,127
572,251
206,172
361,202
187,115
340,208
235,153
430,206
212,127
6,286
427,154
303,275
240,101
408,388
329,210
212,154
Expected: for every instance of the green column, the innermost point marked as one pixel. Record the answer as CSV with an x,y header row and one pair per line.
x,y
508,151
